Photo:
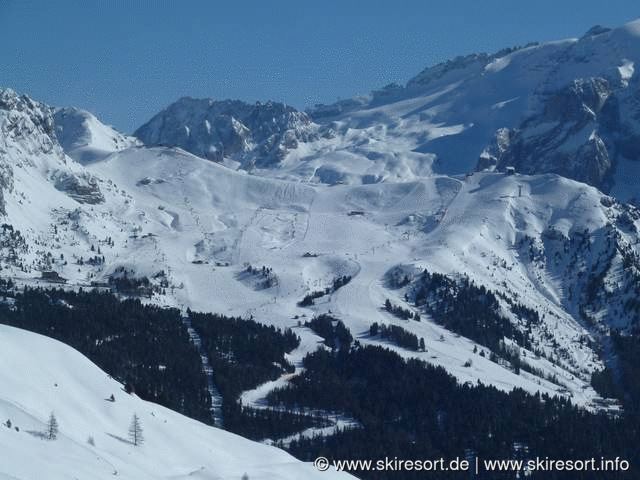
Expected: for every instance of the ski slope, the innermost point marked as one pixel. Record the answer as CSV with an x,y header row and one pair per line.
x,y
40,376
194,224
310,235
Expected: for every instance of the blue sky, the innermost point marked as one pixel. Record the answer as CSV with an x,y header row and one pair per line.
x,y
126,61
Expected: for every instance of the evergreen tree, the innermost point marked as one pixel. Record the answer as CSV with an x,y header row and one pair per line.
x,y
135,430
52,427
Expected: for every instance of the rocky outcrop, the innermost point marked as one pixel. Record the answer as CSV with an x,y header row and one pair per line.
x,y
28,140
578,134
82,188
256,135
26,128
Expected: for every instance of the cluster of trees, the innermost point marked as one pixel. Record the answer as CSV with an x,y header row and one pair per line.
x,y
12,244
122,283
627,348
338,282
52,428
398,311
335,334
142,346
243,355
410,409
603,382
397,335
268,423
472,311
267,278
94,261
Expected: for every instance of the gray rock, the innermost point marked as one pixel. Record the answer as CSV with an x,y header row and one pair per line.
x,y
257,135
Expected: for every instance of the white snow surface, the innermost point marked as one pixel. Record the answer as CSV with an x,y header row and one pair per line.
x,y
169,215
199,211
383,189
86,139
445,117
40,376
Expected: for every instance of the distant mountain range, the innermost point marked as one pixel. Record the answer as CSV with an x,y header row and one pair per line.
x,y
570,107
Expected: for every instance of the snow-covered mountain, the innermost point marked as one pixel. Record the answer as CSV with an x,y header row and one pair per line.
x,y
254,135
29,145
569,107
40,376
193,225
387,190
84,138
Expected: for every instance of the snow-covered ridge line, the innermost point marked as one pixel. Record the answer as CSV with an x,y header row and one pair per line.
x,y
568,107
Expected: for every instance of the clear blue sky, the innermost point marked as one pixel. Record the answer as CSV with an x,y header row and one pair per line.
x,y
126,61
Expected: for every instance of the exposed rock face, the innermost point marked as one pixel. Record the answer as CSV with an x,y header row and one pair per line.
x,y
254,134
82,188
25,128
28,140
579,134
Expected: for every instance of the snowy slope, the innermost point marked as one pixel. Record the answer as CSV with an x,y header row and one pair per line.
x,y
191,226
210,221
40,376
568,107
84,138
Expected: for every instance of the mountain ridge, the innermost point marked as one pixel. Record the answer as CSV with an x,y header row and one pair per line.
x,y
567,107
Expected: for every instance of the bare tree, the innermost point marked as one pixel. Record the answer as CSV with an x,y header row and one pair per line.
x,y
135,430
52,427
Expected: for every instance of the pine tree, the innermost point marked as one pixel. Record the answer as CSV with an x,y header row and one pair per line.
x,y
52,427
135,430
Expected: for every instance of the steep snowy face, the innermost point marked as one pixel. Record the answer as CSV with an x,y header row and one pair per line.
x,y
575,136
28,142
585,127
41,376
570,107
254,135
84,138
26,131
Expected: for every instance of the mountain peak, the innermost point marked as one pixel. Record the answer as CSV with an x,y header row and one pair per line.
x,y
596,30
84,138
22,113
253,134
